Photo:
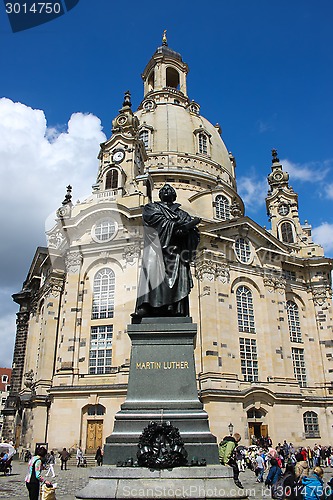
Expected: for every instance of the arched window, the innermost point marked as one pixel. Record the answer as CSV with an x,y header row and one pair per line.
x,y
111,181
287,234
245,313
144,137
172,78
202,138
243,250
293,322
311,426
151,79
222,207
103,294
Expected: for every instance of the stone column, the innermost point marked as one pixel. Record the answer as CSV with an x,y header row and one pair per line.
x,y
22,323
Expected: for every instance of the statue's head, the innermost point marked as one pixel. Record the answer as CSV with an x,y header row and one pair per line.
x,y
167,193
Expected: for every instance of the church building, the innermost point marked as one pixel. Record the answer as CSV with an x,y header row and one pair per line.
x,y
261,297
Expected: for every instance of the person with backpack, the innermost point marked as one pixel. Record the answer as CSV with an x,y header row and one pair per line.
x,y
226,450
273,475
34,477
313,486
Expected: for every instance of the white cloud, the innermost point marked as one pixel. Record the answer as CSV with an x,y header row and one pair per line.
x,y
323,235
329,191
314,171
36,165
253,191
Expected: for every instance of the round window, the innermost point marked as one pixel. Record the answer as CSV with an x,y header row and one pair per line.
x,y
243,250
104,230
148,105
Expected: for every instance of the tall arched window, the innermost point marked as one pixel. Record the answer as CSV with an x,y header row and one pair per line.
x,y
243,250
311,426
103,294
293,322
245,313
202,138
172,78
111,181
287,234
144,137
222,207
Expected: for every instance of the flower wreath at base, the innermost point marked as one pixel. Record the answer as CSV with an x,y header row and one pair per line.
x,y
161,447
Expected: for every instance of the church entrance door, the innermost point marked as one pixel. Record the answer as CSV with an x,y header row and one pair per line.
x,y
258,430
94,435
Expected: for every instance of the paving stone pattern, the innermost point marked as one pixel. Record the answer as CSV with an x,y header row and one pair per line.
x,y
74,479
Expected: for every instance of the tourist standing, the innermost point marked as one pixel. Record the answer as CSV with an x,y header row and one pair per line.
x,y
64,456
34,476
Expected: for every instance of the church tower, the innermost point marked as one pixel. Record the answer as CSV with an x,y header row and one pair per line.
x,y
282,209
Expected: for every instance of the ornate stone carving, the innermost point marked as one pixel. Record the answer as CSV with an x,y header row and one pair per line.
x,y
235,209
64,211
269,284
280,284
54,287
29,378
55,239
105,256
131,252
73,262
205,269
320,295
275,283
222,273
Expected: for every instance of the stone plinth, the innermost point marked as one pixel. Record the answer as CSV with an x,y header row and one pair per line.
x,y
192,483
162,387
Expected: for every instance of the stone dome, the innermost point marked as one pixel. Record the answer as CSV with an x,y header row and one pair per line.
x,y
177,130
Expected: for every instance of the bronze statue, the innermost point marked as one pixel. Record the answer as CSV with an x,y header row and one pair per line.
x,y
171,238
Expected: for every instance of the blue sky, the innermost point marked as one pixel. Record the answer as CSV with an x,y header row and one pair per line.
x,y
263,70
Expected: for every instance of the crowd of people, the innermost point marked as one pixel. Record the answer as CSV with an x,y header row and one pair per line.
x,y
291,473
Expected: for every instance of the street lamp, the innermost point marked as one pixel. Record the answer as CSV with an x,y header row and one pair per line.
x,y
231,429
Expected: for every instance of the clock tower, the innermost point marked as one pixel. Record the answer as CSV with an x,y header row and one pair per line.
x,y
121,171
282,209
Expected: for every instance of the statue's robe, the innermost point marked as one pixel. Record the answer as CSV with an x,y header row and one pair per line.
x,y
165,280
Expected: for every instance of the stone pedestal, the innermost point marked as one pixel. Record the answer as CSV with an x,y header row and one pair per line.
x,y
192,483
162,387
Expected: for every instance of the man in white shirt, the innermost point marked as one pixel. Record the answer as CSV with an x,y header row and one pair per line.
x,y
260,468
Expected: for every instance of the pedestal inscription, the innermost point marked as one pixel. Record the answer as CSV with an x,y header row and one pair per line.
x,y
162,387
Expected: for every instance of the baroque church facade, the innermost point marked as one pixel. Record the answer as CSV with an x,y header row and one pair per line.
x,y
261,298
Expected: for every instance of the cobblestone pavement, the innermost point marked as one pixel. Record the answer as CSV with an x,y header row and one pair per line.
x,y
74,479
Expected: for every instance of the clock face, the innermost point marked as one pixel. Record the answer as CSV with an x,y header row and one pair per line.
x,y
283,209
118,156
